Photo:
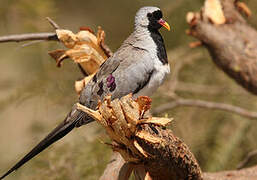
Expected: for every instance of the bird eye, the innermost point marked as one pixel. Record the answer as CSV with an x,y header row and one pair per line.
x,y
157,14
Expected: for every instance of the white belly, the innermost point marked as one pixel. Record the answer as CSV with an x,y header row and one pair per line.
x,y
156,80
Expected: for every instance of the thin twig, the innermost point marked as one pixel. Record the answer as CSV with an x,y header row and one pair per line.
x,y
54,24
245,161
188,58
29,37
32,36
212,89
31,43
205,104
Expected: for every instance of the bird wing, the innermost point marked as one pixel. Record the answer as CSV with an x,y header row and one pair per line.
x,y
128,71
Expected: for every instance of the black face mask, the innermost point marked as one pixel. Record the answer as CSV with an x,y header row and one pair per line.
x,y
153,20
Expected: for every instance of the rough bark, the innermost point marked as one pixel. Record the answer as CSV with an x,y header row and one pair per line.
x,y
232,44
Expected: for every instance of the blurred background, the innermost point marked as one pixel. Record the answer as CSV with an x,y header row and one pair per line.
x,y
35,95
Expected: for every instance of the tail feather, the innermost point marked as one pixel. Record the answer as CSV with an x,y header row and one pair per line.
x,y
59,132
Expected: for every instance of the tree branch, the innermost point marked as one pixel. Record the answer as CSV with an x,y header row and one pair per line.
x,y
54,24
29,37
117,168
205,104
245,161
231,42
33,36
243,174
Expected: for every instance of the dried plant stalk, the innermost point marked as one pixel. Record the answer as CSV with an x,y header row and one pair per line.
x,y
143,140
84,48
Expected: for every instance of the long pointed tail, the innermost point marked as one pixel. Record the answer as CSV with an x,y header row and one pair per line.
x,y
59,132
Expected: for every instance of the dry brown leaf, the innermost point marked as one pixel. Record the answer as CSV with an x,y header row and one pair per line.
x,y
67,37
83,48
195,44
131,110
213,11
242,7
94,114
85,28
148,137
106,112
59,55
190,17
157,121
121,121
101,43
140,149
144,104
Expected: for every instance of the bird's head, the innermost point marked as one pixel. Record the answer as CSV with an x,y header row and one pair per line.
x,y
151,18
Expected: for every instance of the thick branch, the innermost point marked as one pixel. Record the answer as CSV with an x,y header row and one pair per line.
x,y
205,104
232,43
29,37
244,174
117,168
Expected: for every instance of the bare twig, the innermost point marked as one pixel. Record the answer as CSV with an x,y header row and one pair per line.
x,y
207,89
181,60
31,43
32,36
54,24
205,104
245,161
29,37
199,88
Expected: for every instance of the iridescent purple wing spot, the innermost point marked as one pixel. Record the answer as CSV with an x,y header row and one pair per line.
x,y
111,82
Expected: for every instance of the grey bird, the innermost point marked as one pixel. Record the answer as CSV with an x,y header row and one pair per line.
x,y
139,67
